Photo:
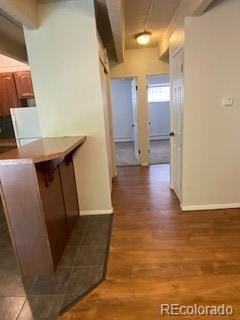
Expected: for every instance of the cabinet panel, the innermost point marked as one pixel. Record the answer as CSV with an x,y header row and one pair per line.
x,y
24,85
8,94
69,191
23,210
53,206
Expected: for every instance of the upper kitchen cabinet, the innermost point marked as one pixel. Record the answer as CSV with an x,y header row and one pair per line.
x,y
24,85
8,94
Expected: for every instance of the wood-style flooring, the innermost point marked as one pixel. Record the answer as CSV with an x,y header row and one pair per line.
x,y
159,255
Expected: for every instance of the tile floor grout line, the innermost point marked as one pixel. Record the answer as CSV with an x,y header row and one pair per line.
x,y
32,285
78,249
21,308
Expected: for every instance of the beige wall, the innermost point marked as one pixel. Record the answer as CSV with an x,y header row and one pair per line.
x,y
211,153
141,63
10,65
63,55
186,8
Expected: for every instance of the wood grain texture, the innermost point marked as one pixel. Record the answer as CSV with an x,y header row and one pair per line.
x,y
24,214
44,149
8,94
51,192
5,142
69,189
39,197
24,85
159,255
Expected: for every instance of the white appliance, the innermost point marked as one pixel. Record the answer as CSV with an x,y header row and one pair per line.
x,y
26,125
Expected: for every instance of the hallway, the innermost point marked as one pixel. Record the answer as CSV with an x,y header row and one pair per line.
x,y
159,153
159,255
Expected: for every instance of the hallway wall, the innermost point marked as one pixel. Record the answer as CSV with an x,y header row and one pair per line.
x,y
211,153
141,63
66,79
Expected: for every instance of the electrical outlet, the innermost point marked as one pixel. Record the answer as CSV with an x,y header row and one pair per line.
x,y
227,102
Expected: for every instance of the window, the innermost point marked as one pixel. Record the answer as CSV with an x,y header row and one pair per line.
x,y
159,92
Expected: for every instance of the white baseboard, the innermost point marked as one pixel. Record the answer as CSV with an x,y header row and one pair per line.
x,y
145,164
164,137
210,207
95,212
126,139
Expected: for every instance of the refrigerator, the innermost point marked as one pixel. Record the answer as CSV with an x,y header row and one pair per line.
x,y
26,125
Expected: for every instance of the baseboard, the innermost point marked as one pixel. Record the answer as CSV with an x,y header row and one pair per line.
x,y
210,207
145,164
95,212
153,138
127,139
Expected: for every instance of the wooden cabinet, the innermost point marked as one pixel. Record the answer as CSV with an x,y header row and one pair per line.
x,y
24,85
15,89
8,94
69,191
39,197
50,187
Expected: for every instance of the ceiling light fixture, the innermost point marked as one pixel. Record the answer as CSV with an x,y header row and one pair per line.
x,y
144,37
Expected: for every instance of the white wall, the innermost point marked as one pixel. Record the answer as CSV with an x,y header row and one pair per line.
x,y
63,56
159,113
141,63
122,109
211,153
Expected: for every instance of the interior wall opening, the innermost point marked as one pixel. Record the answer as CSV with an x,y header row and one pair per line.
x,y
125,121
159,119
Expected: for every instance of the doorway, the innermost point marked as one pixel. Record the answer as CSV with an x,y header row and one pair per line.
x,y
159,119
125,121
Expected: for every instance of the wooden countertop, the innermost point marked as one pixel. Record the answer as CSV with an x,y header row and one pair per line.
x,y
8,142
42,150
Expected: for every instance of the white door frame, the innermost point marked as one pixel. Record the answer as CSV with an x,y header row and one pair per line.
x,y
105,66
136,120
139,142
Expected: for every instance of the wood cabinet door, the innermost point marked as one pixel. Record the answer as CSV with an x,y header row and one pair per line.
x,y
69,191
24,85
50,187
8,94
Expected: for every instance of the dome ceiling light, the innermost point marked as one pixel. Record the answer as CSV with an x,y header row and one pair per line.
x,y
144,37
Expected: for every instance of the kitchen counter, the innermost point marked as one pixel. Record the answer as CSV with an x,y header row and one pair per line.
x,y
40,200
8,142
44,149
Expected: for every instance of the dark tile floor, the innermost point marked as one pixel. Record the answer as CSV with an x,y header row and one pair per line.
x,y
43,297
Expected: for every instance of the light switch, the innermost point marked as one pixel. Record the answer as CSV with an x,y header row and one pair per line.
x,y
227,102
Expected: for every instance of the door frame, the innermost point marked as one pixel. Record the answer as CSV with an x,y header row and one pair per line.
x,y
103,59
136,123
139,139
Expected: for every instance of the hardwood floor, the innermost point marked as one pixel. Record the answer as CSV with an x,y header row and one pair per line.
x,y
159,255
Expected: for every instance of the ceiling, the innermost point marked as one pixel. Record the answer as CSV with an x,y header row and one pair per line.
x,y
135,19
